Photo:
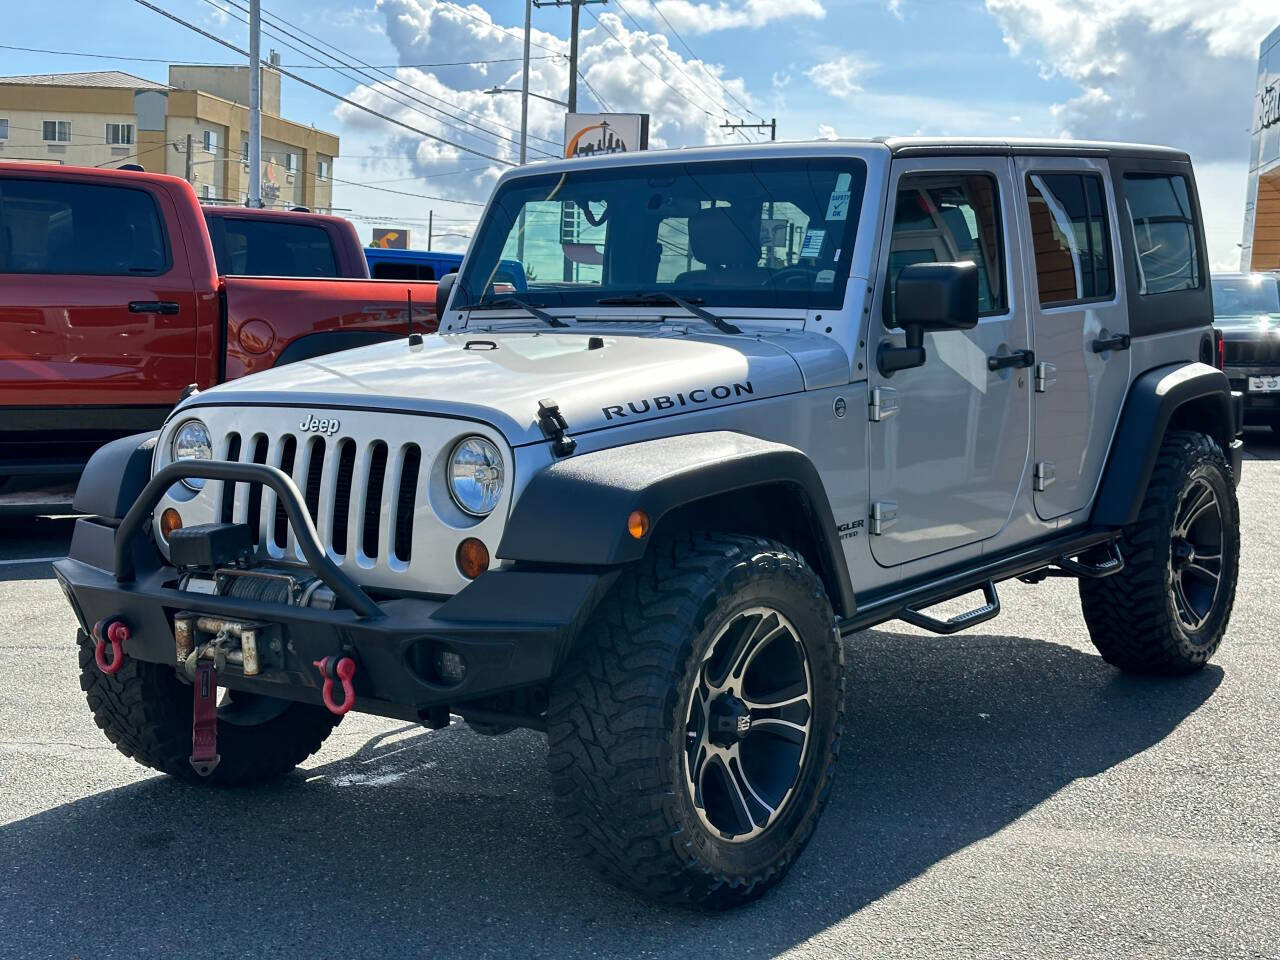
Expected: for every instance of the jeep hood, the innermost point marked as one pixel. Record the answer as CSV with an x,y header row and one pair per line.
x,y
1249,326
499,378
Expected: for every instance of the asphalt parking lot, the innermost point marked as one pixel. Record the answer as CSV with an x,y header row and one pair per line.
x,y
1001,793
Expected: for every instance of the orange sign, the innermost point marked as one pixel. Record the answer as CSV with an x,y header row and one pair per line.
x,y
390,238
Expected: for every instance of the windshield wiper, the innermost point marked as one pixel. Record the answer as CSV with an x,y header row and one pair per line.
x,y
529,308
657,299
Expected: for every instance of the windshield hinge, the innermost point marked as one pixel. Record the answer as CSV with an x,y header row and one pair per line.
x,y
555,429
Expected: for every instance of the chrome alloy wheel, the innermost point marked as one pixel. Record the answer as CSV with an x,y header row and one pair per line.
x,y
748,724
1195,555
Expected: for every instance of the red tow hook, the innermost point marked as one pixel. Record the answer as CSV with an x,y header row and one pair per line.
x,y
112,630
337,668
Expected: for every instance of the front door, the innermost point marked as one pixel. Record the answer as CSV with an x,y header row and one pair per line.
x,y
949,439
1079,325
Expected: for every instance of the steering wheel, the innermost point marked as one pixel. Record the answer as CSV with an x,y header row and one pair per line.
x,y
790,277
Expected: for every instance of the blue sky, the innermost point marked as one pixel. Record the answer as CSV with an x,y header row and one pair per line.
x,y
1180,72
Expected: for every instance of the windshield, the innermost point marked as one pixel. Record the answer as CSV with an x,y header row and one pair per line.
x,y
1242,296
724,233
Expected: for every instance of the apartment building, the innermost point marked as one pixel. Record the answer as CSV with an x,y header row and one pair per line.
x,y
108,118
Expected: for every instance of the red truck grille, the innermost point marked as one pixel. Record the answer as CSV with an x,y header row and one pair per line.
x,y
361,496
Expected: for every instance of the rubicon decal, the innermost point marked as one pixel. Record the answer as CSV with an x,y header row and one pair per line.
x,y
694,398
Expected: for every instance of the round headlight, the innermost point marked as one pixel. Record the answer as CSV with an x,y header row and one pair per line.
x,y
475,476
191,442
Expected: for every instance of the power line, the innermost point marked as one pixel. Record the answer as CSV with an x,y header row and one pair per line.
x,y
315,86
292,66
489,23
277,29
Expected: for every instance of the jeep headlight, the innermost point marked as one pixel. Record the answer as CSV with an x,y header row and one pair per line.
x,y
475,476
191,442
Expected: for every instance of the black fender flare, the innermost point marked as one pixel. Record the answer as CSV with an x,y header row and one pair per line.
x,y
311,345
1183,394
574,513
115,476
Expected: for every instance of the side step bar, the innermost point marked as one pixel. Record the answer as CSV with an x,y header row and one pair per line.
x,y
1110,561
961,621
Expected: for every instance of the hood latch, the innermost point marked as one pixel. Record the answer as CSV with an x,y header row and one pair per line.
x,y
555,429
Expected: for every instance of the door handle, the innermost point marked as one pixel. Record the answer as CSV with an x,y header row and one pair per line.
x,y
1119,342
166,307
1015,361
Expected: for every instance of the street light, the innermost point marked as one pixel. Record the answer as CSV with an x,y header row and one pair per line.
x,y
558,103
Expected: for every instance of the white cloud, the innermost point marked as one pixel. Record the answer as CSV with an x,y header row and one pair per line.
x,y
895,8
839,77
688,17
827,132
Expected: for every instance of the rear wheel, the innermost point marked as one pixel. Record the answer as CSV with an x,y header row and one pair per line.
x,y
1167,610
145,710
695,731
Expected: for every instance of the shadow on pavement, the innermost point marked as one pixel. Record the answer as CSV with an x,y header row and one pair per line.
x,y
1261,443
441,844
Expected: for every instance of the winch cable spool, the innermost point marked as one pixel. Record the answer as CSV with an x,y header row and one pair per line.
x,y
264,589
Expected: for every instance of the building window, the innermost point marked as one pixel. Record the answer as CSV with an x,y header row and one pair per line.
x,y
206,191
4,129
291,163
210,141
244,152
119,133
56,131
322,169
1072,238
1164,232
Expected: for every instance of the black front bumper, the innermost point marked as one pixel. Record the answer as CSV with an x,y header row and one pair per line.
x,y
1259,408
511,628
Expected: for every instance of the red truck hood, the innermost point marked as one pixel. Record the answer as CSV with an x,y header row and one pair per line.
x,y
499,378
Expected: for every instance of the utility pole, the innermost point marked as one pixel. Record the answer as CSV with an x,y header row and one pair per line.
x,y
431,225
574,6
524,87
190,163
255,103
771,126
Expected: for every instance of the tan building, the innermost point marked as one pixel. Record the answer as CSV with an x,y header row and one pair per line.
x,y
107,118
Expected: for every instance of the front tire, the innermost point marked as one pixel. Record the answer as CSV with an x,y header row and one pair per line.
x,y
694,732
1167,610
145,710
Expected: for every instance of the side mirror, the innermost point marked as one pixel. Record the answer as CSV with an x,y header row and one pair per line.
x,y
929,298
443,289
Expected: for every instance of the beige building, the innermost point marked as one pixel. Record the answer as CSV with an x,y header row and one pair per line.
x,y
107,118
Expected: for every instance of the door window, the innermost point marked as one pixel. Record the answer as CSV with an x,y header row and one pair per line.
x,y
1164,232
80,228
944,218
1071,236
274,248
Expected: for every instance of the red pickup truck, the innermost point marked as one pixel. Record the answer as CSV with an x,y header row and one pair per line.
x,y
112,301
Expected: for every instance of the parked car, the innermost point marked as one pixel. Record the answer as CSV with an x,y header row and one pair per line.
x,y
285,243
1246,309
769,396
430,265
112,303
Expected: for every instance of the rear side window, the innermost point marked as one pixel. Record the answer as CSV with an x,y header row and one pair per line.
x,y
1072,238
49,226
1164,232
946,218
273,248
395,270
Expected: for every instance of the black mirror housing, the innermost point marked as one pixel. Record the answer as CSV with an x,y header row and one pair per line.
x,y
937,296
443,288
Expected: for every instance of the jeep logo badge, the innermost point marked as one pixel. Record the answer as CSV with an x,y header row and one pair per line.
x,y
313,424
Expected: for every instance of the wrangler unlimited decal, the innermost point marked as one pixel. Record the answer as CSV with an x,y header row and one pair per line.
x,y
692,398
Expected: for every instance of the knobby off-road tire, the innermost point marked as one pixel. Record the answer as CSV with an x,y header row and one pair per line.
x,y
145,710
1167,610
707,629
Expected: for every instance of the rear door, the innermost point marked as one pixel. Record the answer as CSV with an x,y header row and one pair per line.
x,y
949,440
1079,325
98,308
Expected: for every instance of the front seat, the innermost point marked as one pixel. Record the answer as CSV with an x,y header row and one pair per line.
x,y
731,253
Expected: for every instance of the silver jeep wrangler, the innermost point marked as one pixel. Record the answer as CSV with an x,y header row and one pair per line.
x,y
752,400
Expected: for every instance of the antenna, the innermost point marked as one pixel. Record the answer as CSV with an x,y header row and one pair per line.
x,y
415,339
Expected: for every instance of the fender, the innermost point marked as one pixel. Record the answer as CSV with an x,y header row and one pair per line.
x,y
313,345
574,513
1182,394
115,476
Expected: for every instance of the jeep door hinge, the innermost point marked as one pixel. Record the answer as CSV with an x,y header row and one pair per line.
x,y
884,514
1045,473
1046,376
883,404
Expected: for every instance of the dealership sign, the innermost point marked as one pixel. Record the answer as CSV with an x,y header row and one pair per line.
x,y
588,134
394,238
1270,97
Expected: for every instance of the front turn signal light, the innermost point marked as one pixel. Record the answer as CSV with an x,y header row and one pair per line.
x,y
170,521
473,558
638,524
